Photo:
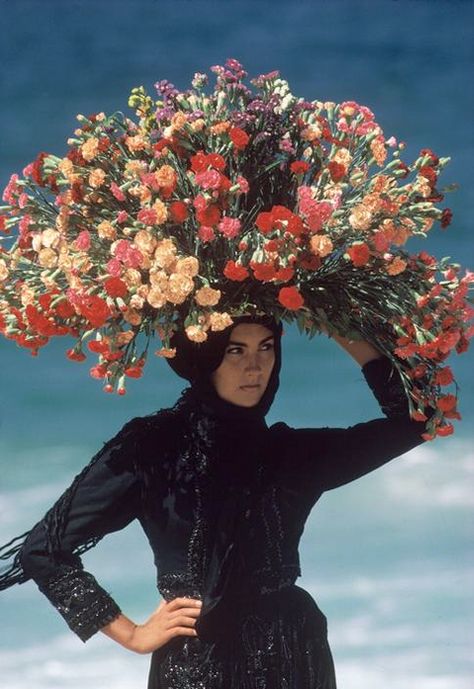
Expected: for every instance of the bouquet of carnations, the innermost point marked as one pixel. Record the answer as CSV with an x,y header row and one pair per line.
x,y
209,206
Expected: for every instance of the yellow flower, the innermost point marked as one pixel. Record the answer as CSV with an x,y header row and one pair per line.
x,y
206,296
3,270
132,277
90,148
158,279
311,132
106,230
166,353
166,176
132,316
134,168
66,167
198,125
161,212
179,287
97,177
219,128
135,143
136,302
321,245
145,241
62,219
219,321
165,253
360,218
50,238
189,265
397,266
156,298
378,151
343,157
47,258
27,295
178,121
196,334
123,338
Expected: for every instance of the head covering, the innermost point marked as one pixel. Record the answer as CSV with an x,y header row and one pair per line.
x,y
197,361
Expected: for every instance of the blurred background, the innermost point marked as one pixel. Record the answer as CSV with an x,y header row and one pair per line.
x,y
387,558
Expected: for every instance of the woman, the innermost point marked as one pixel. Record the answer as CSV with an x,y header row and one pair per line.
x,y
223,500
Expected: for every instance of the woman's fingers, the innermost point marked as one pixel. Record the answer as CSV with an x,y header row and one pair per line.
x,y
186,602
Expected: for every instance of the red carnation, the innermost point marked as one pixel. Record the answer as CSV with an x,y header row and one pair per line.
x,y
428,152
445,430
336,170
133,372
263,271
447,403
290,298
359,254
299,167
209,216
74,355
238,137
235,271
446,217
115,287
64,309
429,174
179,211
444,376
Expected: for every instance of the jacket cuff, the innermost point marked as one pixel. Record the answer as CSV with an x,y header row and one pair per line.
x,y
77,596
386,385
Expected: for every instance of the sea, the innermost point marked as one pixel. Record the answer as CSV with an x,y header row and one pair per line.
x,y
389,557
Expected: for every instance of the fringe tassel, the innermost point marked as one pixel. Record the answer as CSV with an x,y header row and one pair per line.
x,y
12,574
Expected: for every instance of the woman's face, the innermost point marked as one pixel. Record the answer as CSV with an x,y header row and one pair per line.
x,y
245,370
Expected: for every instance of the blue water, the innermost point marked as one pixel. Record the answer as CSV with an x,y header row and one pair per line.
x,y
387,557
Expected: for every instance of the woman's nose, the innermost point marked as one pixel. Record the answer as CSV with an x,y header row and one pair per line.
x,y
253,363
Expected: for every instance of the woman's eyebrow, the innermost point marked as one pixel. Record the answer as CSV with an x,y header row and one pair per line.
x,y
243,344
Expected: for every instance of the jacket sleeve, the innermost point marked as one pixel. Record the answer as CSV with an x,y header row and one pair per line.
x,y
327,458
103,498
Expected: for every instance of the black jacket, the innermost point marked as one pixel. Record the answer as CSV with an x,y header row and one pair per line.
x,y
217,516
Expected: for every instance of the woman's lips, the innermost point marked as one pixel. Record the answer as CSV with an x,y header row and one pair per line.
x,y
250,387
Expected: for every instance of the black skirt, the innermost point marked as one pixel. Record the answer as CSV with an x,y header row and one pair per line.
x,y
273,641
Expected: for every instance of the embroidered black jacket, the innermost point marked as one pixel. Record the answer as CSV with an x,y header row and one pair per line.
x,y
215,518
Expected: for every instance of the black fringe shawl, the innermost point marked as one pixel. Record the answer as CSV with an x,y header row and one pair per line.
x,y
126,442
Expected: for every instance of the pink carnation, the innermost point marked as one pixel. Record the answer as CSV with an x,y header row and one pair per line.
x,y
83,241
147,216
209,179
244,185
230,227
117,192
114,267
10,189
122,216
24,224
22,200
206,234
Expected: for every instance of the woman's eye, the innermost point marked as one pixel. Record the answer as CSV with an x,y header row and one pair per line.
x,y
234,350
267,345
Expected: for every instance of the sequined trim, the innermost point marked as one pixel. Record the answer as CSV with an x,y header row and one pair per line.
x,y
77,596
177,584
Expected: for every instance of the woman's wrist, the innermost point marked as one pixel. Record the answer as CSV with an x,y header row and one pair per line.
x,y
124,632
360,350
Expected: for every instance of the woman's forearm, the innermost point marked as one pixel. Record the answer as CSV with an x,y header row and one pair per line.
x,y
122,630
360,350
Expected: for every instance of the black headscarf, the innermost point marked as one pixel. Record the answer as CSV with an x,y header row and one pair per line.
x,y
197,361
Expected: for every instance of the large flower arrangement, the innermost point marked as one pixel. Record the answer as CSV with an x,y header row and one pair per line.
x,y
214,205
